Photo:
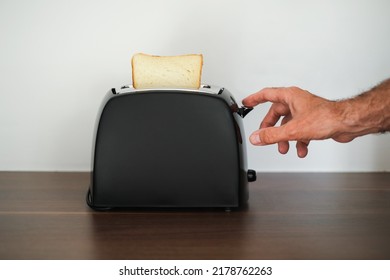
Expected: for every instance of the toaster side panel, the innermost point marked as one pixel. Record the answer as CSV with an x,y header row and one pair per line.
x,y
166,150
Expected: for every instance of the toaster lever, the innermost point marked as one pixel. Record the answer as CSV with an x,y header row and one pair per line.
x,y
243,111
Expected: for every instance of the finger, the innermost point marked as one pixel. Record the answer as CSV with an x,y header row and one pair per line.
x,y
269,135
302,149
276,95
284,146
273,115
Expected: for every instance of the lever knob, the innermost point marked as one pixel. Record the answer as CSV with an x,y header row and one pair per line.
x,y
251,175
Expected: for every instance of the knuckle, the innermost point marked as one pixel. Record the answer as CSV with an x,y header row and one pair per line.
x,y
294,88
291,132
266,136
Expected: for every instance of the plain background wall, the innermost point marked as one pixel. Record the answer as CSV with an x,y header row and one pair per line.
x,y
58,59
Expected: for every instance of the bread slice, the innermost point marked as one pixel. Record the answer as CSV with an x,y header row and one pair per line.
x,y
183,71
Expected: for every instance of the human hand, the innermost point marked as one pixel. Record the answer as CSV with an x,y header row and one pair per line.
x,y
306,117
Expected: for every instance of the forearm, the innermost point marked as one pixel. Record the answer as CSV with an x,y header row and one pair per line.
x,y
367,113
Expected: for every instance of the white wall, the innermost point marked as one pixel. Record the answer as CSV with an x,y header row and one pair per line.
x,y
58,59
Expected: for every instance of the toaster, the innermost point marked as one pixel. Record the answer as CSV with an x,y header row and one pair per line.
x,y
169,148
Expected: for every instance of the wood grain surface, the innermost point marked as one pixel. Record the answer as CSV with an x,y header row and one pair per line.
x,y
43,215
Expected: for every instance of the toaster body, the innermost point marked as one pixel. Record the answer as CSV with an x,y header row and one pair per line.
x,y
169,148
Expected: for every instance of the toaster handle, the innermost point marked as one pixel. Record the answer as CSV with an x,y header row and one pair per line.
x,y
243,111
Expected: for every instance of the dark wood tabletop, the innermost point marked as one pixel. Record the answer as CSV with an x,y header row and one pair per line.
x,y
43,215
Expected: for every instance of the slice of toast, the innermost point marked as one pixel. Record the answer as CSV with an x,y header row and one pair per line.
x,y
183,71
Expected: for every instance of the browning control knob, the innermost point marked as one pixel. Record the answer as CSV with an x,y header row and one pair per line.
x,y
251,175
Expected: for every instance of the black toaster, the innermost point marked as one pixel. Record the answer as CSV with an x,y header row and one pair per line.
x,y
169,148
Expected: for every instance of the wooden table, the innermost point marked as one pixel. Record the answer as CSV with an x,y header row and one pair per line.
x,y
290,216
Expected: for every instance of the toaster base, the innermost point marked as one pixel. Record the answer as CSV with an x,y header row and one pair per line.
x,y
227,208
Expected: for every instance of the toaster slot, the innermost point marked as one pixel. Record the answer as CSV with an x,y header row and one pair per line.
x,y
203,89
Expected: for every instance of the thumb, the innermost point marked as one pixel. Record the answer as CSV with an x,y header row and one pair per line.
x,y
269,135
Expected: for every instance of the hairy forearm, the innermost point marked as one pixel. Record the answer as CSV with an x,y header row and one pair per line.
x,y
366,113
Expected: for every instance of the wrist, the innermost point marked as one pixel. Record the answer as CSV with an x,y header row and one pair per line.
x,y
361,115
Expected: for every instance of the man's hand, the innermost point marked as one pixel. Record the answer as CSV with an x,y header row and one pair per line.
x,y
307,117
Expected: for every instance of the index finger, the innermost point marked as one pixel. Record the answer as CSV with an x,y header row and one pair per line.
x,y
275,95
